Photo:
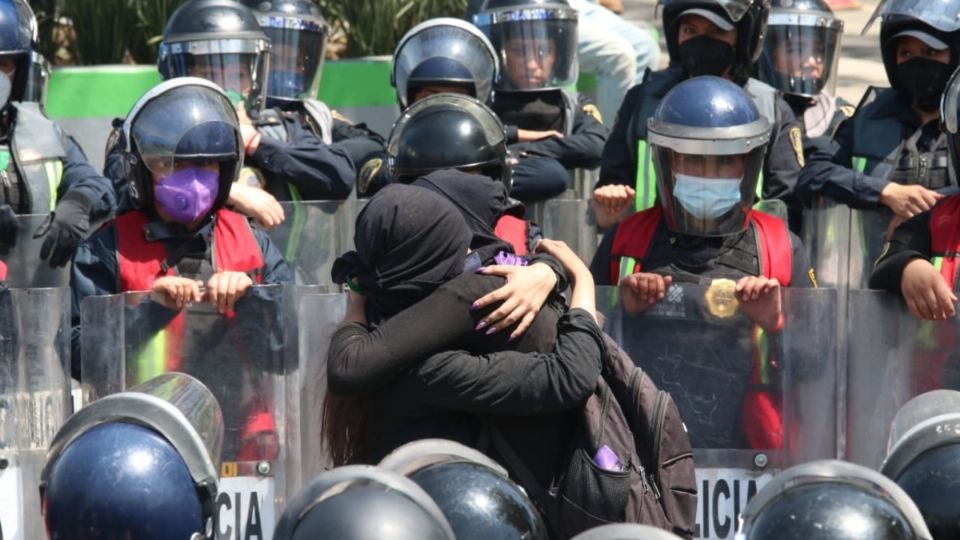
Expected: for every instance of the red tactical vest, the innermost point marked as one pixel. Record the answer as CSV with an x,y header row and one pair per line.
x,y
635,234
945,237
3,271
513,230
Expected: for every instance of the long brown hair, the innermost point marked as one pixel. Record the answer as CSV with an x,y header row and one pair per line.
x,y
345,428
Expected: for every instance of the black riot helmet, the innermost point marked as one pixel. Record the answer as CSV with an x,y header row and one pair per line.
x,y
708,141
298,39
448,131
221,41
38,79
802,47
359,503
748,17
473,491
536,41
950,118
924,458
936,24
444,52
18,39
139,464
631,531
831,500
183,120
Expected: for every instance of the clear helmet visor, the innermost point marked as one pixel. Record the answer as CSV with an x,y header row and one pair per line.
x,y
190,125
735,9
537,48
706,195
238,66
447,54
944,15
38,79
800,58
296,60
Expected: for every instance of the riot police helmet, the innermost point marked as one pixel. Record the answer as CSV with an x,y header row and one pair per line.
x,y
448,131
924,458
708,141
831,500
930,26
139,464
474,492
298,39
38,79
624,531
535,40
182,122
18,40
221,41
950,118
802,47
444,54
359,502
705,55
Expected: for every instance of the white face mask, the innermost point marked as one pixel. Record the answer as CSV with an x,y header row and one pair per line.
x,y
706,198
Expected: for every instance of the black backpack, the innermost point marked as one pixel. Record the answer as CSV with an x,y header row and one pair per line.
x,y
641,425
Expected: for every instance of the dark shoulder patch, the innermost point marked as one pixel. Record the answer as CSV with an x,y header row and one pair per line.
x,y
368,174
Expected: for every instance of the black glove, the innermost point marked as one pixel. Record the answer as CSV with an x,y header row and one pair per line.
x,y
65,228
9,225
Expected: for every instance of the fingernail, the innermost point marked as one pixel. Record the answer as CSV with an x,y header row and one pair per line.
x,y
481,325
475,305
480,270
491,330
511,338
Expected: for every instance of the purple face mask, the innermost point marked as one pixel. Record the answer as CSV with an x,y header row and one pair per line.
x,y
187,194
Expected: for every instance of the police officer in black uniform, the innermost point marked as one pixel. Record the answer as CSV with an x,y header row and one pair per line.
x,y
704,37
800,53
549,130
42,169
892,153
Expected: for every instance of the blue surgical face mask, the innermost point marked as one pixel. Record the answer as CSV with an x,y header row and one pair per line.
x,y
706,198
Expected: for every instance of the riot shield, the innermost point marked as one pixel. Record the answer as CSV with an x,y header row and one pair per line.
x,y
753,402
567,220
34,399
892,357
309,239
774,207
245,358
826,236
25,269
869,231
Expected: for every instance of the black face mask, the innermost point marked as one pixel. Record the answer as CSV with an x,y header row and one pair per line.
x,y
704,55
924,80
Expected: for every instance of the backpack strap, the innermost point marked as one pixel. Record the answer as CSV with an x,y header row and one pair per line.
x,y
776,252
537,493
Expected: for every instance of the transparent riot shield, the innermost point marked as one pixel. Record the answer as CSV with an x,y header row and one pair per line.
x,y
774,207
892,357
569,220
25,269
869,231
34,399
826,236
309,239
753,402
245,358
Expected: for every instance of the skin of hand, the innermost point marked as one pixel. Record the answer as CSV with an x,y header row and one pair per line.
x,y
583,294
526,135
612,203
760,300
908,201
225,288
251,138
257,204
927,294
521,298
640,291
175,292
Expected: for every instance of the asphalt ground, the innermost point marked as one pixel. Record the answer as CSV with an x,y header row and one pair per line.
x,y
860,65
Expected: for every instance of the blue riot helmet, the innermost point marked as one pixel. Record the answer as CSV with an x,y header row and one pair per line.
x,y
473,491
360,503
937,26
18,38
139,464
924,458
802,47
221,41
704,55
708,140
831,500
631,531
448,53
448,131
535,40
298,40
186,119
